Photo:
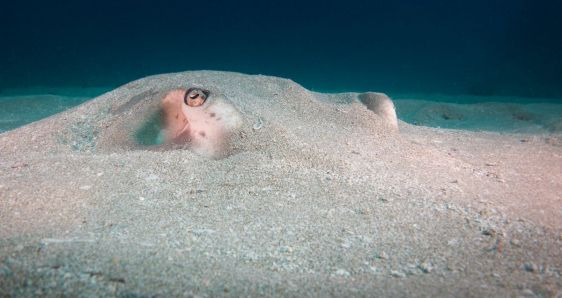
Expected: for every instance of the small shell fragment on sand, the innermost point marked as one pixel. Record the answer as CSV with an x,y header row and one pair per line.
x,y
531,267
19,165
258,125
342,272
382,255
426,267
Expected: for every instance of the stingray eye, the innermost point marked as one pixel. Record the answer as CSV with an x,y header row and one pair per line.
x,y
195,97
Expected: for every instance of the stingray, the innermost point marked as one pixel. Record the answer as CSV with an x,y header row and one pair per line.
x,y
197,115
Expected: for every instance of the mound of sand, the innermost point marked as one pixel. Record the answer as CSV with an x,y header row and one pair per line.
x,y
322,196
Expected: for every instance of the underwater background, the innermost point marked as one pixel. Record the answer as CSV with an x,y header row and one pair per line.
x,y
467,50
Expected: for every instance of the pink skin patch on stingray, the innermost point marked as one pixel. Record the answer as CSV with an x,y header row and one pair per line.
x,y
174,122
202,124
190,124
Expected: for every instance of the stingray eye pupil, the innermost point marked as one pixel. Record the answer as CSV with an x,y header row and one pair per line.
x,y
195,97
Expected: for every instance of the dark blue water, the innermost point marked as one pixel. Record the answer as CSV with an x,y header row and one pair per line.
x,y
482,47
479,47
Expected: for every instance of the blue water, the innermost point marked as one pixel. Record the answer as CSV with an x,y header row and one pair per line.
x,y
479,47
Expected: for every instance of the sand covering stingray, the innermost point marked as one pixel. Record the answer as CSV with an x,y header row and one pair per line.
x,y
143,120
312,194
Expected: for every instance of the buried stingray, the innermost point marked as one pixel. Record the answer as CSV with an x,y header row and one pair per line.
x,y
206,122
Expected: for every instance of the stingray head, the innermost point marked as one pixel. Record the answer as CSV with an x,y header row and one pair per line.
x,y
199,119
185,117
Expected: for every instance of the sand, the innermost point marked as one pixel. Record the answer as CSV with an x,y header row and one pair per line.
x,y
482,113
18,110
320,198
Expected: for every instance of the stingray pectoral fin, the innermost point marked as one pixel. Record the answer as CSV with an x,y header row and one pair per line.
x,y
382,105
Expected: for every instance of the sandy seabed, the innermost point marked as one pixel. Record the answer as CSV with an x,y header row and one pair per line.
x,y
319,197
